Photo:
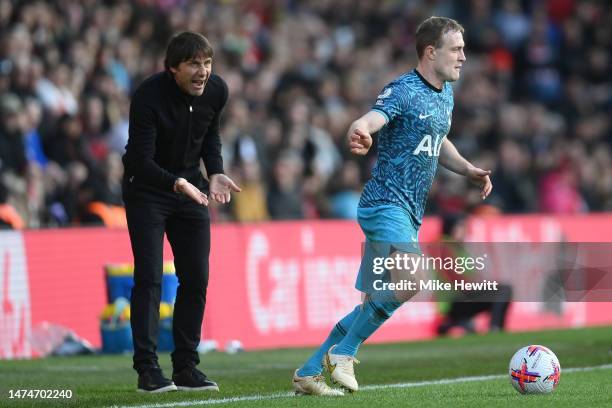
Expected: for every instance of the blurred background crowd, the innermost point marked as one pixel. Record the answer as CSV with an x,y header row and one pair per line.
x,y
534,103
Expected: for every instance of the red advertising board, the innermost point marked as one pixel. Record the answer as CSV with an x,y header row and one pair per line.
x,y
272,284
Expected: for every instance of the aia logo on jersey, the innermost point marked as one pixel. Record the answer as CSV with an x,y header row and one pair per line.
x,y
429,145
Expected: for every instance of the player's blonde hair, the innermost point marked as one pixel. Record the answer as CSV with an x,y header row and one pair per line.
x,y
431,31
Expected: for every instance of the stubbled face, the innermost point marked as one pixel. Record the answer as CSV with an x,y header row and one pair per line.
x,y
449,58
191,75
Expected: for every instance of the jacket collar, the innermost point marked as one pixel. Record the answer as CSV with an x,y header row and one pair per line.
x,y
175,90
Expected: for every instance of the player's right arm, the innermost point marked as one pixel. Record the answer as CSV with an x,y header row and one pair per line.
x,y
360,132
390,103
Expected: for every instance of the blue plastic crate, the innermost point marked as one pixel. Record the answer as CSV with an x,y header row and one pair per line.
x,y
116,338
120,280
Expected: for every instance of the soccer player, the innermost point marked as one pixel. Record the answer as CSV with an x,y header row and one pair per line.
x,y
413,116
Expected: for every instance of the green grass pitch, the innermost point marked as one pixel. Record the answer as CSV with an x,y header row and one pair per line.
x,y
464,372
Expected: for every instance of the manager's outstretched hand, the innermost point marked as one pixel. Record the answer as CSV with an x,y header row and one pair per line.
x,y
221,187
183,186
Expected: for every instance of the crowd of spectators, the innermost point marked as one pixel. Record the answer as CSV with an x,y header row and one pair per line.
x,y
534,103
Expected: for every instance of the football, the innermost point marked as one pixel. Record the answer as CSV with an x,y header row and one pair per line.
x,y
534,370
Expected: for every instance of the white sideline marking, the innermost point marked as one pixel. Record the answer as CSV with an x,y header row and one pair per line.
x,y
259,397
74,368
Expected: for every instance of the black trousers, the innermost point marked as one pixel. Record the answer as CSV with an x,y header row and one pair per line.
x,y
150,213
496,302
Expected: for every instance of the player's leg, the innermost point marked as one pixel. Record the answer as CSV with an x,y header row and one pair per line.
x,y
189,236
377,308
314,366
389,227
307,379
146,228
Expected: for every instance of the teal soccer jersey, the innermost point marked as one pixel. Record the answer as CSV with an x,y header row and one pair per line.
x,y
418,119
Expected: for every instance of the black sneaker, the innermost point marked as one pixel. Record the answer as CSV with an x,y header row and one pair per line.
x,y
153,380
192,379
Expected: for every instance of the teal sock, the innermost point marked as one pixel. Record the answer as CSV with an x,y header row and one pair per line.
x,y
370,318
313,366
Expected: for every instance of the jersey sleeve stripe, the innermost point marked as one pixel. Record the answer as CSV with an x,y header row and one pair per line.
x,y
383,113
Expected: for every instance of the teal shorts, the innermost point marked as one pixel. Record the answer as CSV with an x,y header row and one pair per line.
x,y
387,229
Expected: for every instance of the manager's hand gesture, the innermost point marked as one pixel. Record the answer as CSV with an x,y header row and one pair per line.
x,y
221,187
184,187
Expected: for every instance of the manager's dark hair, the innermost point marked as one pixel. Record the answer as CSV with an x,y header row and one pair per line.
x,y
186,46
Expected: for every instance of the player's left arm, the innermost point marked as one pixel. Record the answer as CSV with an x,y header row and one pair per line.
x,y
453,161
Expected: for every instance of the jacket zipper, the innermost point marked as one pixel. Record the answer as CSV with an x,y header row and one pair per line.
x,y
188,144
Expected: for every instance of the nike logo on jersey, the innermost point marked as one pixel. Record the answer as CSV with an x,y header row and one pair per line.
x,y
421,116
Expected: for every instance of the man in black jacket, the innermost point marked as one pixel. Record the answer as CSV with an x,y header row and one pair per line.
x,y
174,122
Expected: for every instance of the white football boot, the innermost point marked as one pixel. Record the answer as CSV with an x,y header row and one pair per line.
x,y
340,368
313,385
